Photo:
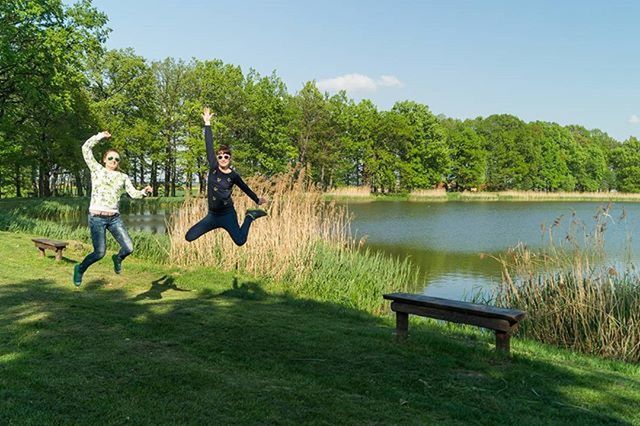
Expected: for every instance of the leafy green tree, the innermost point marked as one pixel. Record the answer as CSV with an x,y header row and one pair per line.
x,y
267,147
124,96
626,160
311,130
468,157
44,47
423,156
513,157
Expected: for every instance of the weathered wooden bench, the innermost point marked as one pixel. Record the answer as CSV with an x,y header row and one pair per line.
x,y
44,243
501,320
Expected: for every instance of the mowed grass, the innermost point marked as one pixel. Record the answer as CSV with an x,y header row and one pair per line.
x,y
160,345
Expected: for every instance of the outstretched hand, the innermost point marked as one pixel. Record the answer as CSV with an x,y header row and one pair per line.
x,y
148,189
207,115
104,135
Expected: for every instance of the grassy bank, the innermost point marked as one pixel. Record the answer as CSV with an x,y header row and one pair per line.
x,y
196,345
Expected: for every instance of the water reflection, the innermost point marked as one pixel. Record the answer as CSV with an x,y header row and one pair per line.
x,y
449,274
137,217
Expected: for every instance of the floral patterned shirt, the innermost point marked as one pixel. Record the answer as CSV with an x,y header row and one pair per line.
x,y
106,185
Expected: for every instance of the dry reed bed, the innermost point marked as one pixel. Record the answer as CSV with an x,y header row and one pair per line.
x,y
550,196
304,242
572,297
430,194
350,191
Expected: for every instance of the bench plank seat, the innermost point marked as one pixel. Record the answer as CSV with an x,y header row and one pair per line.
x,y
503,321
512,315
46,244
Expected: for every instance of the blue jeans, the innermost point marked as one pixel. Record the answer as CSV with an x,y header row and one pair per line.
x,y
227,221
98,225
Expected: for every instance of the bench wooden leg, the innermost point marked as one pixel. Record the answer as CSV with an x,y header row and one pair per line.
x,y
41,252
402,325
58,255
502,341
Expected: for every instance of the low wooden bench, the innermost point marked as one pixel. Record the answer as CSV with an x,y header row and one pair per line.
x,y
501,320
44,243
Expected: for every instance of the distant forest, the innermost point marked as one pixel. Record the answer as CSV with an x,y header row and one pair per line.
x,y
59,85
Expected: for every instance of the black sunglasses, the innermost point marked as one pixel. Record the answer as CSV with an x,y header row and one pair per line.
x,y
117,159
225,156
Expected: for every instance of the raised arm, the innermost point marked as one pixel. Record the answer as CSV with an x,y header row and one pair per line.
x,y
132,191
87,152
208,139
245,188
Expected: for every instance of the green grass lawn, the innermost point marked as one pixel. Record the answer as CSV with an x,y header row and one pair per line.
x,y
166,345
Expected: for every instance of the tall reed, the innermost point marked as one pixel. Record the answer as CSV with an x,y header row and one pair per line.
x,y
574,297
304,242
349,192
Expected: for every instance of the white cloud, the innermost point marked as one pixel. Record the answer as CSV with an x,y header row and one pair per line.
x,y
634,119
358,82
390,81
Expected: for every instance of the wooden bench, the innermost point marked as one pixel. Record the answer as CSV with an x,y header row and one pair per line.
x,y
44,243
503,321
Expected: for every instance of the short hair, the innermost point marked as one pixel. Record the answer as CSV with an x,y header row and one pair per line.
x,y
225,149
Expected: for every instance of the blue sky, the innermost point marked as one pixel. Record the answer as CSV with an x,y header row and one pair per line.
x,y
572,62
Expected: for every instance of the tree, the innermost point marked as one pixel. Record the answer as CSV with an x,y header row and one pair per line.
x,y
468,157
423,156
626,160
44,46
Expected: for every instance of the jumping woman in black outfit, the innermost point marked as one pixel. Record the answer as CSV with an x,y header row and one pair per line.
x,y
220,183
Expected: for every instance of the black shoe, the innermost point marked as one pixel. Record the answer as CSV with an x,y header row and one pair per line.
x,y
77,276
256,213
117,264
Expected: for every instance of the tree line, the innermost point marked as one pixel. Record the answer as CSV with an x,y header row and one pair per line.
x,y
59,85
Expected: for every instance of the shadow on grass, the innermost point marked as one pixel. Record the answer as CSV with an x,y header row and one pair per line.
x,y
159,286
243,355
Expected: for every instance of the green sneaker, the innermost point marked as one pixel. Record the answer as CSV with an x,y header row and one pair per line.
x,y
77,276
117,264
256,213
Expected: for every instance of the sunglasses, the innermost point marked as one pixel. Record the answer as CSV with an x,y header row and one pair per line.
x,y
225,156
116,159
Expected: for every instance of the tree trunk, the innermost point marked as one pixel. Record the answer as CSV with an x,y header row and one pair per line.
x,y
167,168
54,183
18,180
154,178
141,172
44,188
173,177
34,181
135,175
189,182
78,179
203,183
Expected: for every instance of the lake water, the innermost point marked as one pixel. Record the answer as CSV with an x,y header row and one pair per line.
x,y
453,242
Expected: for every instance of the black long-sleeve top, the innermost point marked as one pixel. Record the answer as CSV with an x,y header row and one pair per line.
x,y
220,184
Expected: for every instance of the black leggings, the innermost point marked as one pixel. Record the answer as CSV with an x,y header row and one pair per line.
x,y
227,221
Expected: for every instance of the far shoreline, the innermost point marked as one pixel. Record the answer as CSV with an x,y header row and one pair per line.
x,y
436,195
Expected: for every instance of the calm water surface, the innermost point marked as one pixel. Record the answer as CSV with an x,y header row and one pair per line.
x,y
453,242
